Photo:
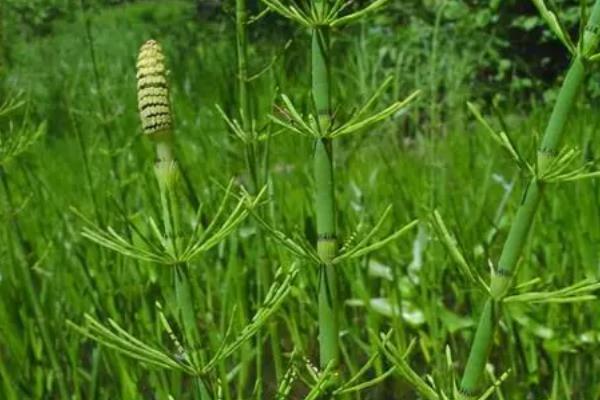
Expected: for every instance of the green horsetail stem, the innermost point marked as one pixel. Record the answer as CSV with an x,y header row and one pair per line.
x,y
241,16
513,247
241,39
325,200
157,123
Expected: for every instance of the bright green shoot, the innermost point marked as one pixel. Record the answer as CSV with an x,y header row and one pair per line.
x,y
320,16
551,165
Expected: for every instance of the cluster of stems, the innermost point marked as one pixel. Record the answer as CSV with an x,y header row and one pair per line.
x,y
256,157
321,17
156,120
513,247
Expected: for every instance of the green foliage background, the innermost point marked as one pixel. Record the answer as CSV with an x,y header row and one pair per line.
x,y
73,63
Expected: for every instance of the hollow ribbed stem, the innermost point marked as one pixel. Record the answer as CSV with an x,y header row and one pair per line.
x,y
325,200
326,248
479,349
513,247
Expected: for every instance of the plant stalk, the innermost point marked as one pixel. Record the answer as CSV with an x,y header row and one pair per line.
x,y
253,150
519,231
325,200
241,16
167,175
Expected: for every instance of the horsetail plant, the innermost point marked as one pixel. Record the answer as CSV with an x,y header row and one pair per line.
x,y
169,246
552,165
502,276
319,16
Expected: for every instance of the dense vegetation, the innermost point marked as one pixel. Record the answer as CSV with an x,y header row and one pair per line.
x,y
280,240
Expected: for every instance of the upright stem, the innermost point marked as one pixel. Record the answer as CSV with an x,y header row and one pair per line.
x,y
326,248
157,122
241,36
241,16
167,175
325,199
513,247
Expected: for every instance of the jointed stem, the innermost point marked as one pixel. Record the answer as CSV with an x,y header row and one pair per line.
x,y
513,247
167,176
479,349
326,248
325,201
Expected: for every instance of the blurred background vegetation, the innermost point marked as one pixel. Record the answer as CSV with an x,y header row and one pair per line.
x,y
73,63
